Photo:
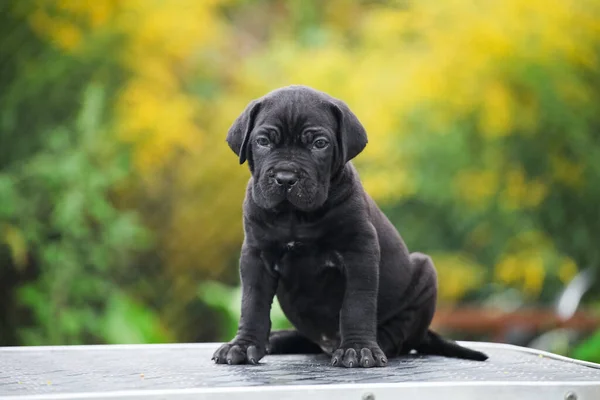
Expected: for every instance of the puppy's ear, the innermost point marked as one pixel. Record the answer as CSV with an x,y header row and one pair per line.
x,y
351,135
239,132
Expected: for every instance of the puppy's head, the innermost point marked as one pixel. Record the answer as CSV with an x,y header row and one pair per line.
x,y
295,139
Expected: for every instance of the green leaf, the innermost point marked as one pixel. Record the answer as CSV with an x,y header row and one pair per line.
x,y
8,196
589,350
89,117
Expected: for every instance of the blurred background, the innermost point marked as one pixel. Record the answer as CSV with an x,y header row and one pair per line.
x,y
120,202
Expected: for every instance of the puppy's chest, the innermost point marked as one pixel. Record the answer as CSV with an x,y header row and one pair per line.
x,y
298,261
311,288
293,228
300,249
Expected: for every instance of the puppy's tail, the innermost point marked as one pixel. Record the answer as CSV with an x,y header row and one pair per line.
x,y
434,344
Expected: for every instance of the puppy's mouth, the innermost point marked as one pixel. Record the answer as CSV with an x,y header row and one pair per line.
x,y
296,195
302,194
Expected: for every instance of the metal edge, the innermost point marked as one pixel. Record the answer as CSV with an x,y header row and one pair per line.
x,y
380,391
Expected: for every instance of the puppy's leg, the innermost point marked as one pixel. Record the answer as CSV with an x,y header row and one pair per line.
x,y
358,316
408,328
402,333
258,291
291,342
426,341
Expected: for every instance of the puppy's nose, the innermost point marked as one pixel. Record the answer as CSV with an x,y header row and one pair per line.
x,y
286,178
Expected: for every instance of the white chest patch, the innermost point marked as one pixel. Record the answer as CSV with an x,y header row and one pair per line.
x,y
335,260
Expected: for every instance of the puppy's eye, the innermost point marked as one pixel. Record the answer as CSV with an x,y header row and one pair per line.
x,y
263,141
320,143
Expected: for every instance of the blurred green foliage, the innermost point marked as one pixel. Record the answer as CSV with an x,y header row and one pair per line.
x,y
58,219
120,203
589,349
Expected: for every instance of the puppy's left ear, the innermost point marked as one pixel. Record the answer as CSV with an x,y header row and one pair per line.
x,y
239,132
351,135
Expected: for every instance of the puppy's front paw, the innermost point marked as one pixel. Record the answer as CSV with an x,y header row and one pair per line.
x,y
239,352
364,355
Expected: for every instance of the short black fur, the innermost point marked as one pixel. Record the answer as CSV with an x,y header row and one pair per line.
x,y
316,240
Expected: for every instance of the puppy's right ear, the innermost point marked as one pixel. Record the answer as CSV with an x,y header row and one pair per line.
x,y
239,132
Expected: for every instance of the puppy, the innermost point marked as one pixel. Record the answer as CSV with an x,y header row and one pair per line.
x,y
316,240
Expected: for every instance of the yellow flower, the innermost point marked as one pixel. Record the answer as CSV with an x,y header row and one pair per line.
x,y
497,114
458,274
62,34
525,268
536,193
507,270
533,274
476,187
567,172
567,270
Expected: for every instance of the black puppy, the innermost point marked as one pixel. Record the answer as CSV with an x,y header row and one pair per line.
x,y
316,239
